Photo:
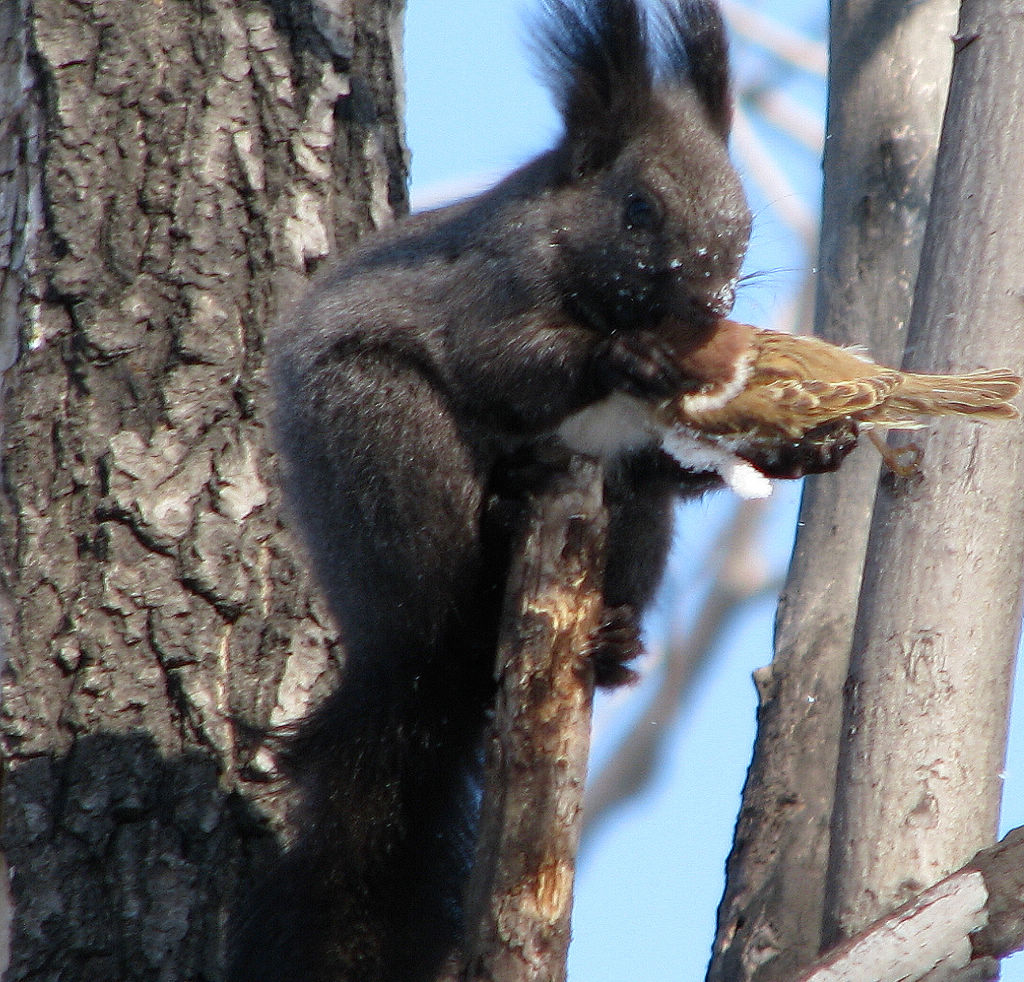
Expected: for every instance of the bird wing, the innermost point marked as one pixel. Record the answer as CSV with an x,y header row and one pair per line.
x,y
796,384
765,386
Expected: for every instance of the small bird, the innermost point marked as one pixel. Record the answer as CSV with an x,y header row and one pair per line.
x,y
754,390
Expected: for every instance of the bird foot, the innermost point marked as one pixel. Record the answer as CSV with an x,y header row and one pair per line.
x,y
903,461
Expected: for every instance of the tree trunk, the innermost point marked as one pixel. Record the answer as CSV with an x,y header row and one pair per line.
x,y
168,173
927,701
888,78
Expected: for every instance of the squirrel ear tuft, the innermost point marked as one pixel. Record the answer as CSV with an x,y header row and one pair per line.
x,y
696,52
602,65
596,59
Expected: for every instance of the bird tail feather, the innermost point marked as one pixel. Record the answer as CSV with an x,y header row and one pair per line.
x,y
983,394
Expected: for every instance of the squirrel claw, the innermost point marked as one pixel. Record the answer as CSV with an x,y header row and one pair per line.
x,y
640,363
615,643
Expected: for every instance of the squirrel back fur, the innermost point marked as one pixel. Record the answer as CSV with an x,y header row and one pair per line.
x,y
414,376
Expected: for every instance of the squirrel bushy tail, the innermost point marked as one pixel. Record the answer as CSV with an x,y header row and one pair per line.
x,y
371,888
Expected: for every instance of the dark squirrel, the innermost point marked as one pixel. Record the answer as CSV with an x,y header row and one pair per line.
x,y
419,373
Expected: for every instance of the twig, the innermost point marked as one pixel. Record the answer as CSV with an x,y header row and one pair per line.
x,y
632,764
788,116
764,169
783,42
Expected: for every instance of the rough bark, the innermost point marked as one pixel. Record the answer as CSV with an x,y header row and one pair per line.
x,y
167,172
521,894
889,71
938,625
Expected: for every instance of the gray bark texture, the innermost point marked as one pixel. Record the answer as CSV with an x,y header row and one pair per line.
x,y
888,78
927,699
168,172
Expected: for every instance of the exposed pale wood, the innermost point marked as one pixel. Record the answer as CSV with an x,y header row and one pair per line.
x,y
956,929
522,888
931,934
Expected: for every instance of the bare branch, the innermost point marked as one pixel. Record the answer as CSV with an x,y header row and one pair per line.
x,y
789,117
737,581
765,171
940,608
520,898
889,73
783,42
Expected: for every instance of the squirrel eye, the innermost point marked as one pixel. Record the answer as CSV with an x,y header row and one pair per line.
x,y
639,213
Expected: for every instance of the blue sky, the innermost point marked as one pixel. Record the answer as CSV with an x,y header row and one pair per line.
x,y
653,880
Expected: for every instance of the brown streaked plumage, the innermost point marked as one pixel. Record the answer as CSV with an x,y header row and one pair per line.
x,y
756,397
781,386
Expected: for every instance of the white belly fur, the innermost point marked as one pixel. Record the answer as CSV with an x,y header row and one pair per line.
x,y
607,428
621,423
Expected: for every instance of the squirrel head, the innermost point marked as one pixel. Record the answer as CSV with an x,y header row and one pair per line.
x,y
647,215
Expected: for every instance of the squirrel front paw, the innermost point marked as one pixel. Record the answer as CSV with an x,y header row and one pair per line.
x,y
640,363
818,451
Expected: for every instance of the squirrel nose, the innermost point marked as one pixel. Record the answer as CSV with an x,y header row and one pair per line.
x,y
721,301
707,300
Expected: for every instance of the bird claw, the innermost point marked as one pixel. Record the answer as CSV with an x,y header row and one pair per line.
x,y
903,461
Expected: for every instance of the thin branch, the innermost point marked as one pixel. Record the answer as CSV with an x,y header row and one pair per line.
x,y
737,582
889,76
765,171
786,44
788,116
